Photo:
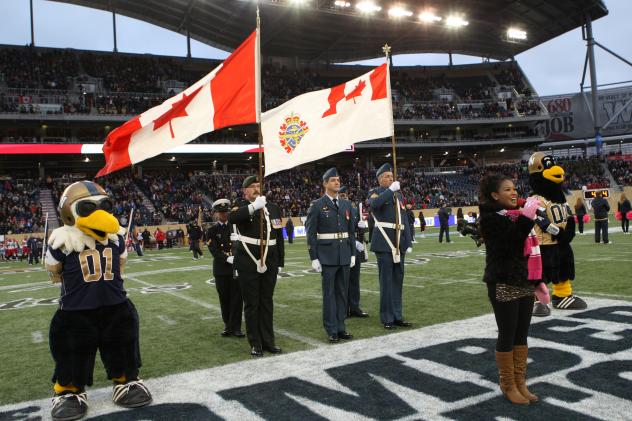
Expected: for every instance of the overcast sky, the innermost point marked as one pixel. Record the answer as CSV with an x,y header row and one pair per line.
x,y
554,67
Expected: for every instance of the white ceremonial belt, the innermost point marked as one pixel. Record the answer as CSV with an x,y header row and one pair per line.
x,y
256,241
389,225
332,236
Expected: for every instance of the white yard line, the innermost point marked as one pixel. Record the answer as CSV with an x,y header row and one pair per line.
x,y
167,320
37,337
282,332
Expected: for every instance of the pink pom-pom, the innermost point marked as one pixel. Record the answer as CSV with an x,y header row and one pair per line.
x,y
629,215
586,219
618,216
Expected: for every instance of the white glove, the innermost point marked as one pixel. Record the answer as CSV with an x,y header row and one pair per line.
x,y
359,246
409,250
230,259
352,262
316,265
280,269
362,224
259,203
394,187
234,237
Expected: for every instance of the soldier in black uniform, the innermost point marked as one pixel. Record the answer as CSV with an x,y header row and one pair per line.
x,y
195,235
220,246
257,279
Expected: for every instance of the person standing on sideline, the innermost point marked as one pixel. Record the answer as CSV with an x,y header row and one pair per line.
x,y
624,207
444,223
354,309
580,211
195,236
289,230
387,209
422,224
257,274
411,221
330,229
600,209
221,247
512,277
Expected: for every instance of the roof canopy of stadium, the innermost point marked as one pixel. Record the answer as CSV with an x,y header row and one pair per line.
x,y
331,30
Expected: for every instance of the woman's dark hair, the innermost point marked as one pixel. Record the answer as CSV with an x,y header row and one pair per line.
x,y
489,184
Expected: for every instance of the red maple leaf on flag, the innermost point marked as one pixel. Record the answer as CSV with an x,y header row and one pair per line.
x,y
178,109
357,91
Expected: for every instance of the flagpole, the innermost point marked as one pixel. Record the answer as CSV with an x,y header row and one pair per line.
x,y
45,235
260,135
387,50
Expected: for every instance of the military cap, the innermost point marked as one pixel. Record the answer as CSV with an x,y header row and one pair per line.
x,y
249,180
343,190
221,205
384,168
331,172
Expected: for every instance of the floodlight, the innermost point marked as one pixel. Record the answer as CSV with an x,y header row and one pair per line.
x,y
456,21
341,3
399,12
298,2
515,33
368,7
429,17
502,149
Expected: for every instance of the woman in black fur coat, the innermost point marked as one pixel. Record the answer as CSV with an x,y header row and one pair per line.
x,y
508,273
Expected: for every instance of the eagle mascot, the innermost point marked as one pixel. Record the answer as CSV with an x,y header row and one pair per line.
x,y
555,229
86,256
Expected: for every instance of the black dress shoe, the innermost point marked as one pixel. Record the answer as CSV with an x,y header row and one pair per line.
x,y
255,351
333,339
390,326
273,349
402,323
239,334
358,313
345,335
225,333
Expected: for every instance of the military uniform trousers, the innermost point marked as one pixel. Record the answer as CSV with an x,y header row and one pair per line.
x,y
391,277
335,281
354,286
257,290
230,301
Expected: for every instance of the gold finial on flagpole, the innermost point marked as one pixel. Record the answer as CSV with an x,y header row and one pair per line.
x,y
387,50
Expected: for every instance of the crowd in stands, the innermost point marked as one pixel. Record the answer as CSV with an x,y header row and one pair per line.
x,y
621,171
179,197
125,84
20,209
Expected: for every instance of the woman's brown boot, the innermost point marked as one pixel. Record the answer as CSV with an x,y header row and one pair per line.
x,y
520,353
505,364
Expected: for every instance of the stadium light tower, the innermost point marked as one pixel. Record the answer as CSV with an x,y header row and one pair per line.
x,y
398,12
456,21
368,7
516,34
428,16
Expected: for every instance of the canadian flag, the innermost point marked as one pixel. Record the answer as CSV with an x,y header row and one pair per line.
x,y
227,96
322,123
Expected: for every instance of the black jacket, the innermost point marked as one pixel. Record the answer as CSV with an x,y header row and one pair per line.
x,y
600,208
505,261
248,225
220,246
444,216
624,207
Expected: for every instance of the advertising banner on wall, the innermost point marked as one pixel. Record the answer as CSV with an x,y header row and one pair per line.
x,y
571,117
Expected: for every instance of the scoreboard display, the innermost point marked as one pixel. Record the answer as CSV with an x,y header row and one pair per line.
x,y
592,194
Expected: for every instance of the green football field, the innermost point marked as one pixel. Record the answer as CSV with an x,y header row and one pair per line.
x,y
179,308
